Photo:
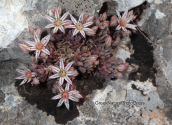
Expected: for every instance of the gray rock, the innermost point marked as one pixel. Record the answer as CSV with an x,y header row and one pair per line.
x,y
17,16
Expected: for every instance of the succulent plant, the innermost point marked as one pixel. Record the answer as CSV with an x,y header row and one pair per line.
x,y
113,67
58,23
65,95
39,46
79,26
87,44
54,54
102,52
63,73
27,75
75,41
101,35
42,72
124,20
85,61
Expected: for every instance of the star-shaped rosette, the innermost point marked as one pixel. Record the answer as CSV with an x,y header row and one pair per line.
x,y
63,72
58,22
38,45
79,26
26,75
124,21
65,95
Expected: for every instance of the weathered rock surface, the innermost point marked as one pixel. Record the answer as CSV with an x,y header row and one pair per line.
x,y
155,97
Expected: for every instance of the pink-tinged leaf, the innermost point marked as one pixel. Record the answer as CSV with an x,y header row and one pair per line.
x,y
23,82
32,49
71,73
24,67
61,64
46,51
49,18
64,16
31,30
113,22
96,62
85,16
61,80
56,97
95,28
20,71
129,19
68,80
66,22
54,76
73,98
119,16
71,26
37,54
116,42
134,18
73,19
34,74
60,102
89,32
53,10
75,73
108,41
130,13
130,69
81,18
62,29
45,40
114,18
83,33
23,47
73,92
87,24
20,77
97,22
59,10
131,26
55,69
67,87
68,66
75,32
106,24
118,27
30,43
55,29
124,28
66,101
56,14
92,58
38,32
29,80
90,18
124,15
60,89
50,25
36,37
33,59
104,16
78,95
119,75
121,67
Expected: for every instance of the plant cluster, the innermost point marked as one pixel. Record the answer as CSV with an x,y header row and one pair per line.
x,y
84,46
